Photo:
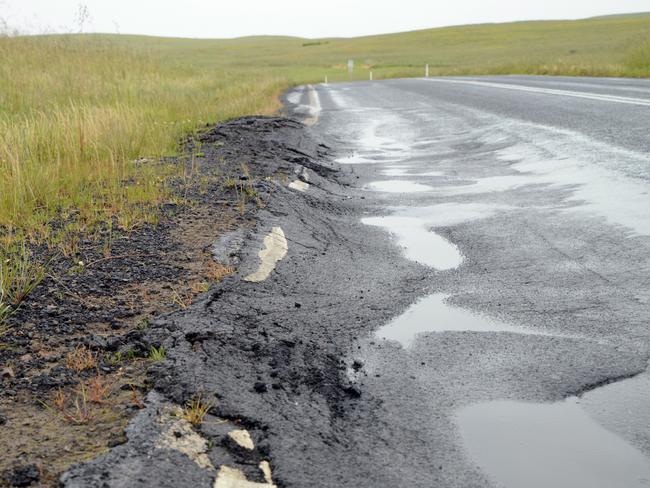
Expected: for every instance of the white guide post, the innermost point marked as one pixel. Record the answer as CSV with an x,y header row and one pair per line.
x,y
426,71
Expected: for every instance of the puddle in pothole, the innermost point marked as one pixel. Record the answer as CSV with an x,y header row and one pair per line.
x,y
432,314
397,186
420,244
563,445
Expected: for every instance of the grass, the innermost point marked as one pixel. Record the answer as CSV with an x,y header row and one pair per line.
x,y
86,119
195,411
80,359
157,354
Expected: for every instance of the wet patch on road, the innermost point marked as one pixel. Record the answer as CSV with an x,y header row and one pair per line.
x,y
555,444
398,186
433,314
420,244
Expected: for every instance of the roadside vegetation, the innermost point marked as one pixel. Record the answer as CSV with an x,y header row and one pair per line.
x,y
87,121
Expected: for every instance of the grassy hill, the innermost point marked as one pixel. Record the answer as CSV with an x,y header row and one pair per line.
x,y
76,111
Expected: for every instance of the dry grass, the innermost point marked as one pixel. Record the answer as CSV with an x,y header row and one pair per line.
x,y
81,359
76,410
98,389
195,411
216,271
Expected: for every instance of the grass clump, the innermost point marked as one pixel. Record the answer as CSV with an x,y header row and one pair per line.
x,y
157,353
81,359
195,411
19,275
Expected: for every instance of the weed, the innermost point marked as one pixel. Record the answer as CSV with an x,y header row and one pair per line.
x,y
217,271
135,398
200,287
81,359
196,410
80,412
19,275
98,389
157,353
230,183
178,299
142,324
5,313
115,358
131,354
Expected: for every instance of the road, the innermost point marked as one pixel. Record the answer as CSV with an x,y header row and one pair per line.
x,y
455,294
528,200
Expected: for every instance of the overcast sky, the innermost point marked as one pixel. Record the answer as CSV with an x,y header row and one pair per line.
x,y
232,18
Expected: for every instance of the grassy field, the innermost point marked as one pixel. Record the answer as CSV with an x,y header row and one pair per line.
x,y
85,119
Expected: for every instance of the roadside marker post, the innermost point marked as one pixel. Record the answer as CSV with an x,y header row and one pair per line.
x,y
371,76
350,67
426,71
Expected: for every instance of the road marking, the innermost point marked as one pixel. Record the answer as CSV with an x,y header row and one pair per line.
x,y
549,91
314,107
275,248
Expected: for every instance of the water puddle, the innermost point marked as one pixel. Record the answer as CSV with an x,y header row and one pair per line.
x,y
392,171
420,244
432,314
397,186
555,445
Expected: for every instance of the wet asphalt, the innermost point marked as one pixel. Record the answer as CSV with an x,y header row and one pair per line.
x,y
542,184
464,300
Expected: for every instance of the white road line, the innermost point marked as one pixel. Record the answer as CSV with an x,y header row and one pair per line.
x,y
548,91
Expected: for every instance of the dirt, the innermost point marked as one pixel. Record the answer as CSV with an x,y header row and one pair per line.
x,y
75,358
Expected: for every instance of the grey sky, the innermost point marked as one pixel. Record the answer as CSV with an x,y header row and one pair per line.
x,y
232,18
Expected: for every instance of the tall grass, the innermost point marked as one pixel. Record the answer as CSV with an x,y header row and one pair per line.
x,y
638,59
77,111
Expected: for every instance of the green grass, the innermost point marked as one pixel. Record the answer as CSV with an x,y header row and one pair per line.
x,y
77,111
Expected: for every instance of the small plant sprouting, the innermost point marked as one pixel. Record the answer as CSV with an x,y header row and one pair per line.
x,y
157,353
196,410
115,358
230,183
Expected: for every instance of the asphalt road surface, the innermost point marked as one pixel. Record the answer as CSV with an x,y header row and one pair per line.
x,y
522,364
456,294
